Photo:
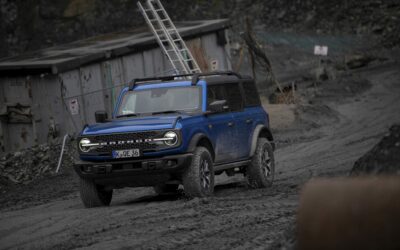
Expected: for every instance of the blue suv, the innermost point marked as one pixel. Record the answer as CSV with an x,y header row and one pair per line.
x,y
177,130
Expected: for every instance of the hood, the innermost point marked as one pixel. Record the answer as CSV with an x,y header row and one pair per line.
x,y
132,125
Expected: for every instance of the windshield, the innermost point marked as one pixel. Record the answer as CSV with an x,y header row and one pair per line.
x,y
159,100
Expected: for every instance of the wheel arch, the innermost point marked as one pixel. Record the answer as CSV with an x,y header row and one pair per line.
x,y
264,132
201,139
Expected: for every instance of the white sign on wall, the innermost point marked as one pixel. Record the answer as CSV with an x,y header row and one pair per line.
x,y
320,50
74,106
214,65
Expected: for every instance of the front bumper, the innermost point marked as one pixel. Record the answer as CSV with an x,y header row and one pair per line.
x,y
133,172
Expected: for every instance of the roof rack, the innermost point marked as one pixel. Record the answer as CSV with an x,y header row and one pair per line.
x,y
195,77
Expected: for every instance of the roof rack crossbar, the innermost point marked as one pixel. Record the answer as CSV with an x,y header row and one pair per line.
x,y
136,81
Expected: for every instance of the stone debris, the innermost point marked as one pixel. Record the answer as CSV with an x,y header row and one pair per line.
x,y
24,166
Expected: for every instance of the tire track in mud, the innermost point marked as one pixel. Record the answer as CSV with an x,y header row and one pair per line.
x,y
194,223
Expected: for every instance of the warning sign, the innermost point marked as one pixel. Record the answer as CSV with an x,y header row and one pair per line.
x,y
74,106
320,50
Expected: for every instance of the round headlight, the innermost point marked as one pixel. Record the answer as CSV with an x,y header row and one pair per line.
x,y
84,145
172,138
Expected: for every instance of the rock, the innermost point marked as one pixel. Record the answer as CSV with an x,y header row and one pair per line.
x,y
357,61
383,158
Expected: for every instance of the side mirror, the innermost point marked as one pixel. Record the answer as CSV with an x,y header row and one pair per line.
x,y
100,116
218,106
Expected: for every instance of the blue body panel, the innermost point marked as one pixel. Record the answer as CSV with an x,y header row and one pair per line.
x,y
230,143
132,124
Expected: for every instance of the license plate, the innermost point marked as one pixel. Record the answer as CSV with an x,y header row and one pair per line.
x,y
127,153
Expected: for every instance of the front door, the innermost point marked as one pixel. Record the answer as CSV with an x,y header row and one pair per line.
x,y
221,125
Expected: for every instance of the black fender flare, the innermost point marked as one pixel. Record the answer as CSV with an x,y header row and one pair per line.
x,y
265,132
195,140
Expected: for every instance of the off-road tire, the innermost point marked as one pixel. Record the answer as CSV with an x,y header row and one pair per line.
x,y
194,178
93,195
257,170
166,189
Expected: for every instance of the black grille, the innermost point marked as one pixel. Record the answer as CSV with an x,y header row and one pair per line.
x,y
116,138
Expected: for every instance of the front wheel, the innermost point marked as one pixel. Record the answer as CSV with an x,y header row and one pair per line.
x,y
198,179
94,195
261,171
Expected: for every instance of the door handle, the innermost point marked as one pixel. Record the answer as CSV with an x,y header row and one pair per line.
x,y
230,124
249,121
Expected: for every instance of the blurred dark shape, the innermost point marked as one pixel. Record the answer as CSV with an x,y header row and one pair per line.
x,y
383,158
361,213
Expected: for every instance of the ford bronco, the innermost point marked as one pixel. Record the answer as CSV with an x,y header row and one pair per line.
x,y
177,130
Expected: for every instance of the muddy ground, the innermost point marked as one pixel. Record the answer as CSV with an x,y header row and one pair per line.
x,y
340,121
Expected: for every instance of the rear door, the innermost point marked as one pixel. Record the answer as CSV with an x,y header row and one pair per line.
x,y
253,113
241,121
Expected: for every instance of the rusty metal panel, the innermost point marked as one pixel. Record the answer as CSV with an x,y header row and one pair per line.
x,y
92,88
2,91
16,118
21,136
133,66
40,105
17,90
214,52
148,59
3,128
159,67
113,82
3,137
73,101
49,121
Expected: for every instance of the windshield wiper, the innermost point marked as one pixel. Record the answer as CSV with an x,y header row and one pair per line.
x,y
167,112
127,115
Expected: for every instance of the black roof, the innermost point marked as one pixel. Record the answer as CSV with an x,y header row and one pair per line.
x,y
69,56
215,77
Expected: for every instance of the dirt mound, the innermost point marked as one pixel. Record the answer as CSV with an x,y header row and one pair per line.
x,y
28,177
383,158
315,116
346,85
24,166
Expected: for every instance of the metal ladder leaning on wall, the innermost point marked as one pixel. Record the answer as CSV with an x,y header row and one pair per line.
x,y
168,37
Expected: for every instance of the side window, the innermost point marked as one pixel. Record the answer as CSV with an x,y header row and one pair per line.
x,y
250,94
215,93
235,100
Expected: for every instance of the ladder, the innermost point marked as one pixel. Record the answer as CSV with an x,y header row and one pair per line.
x,y
168,37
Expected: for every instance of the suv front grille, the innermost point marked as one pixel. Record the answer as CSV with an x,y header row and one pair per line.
x,y
119,141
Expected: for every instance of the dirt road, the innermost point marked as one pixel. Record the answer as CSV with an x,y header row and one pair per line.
x,y
236,217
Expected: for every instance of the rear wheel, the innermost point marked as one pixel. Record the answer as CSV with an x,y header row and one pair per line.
x,y
261,171
198,179
93,195
166,189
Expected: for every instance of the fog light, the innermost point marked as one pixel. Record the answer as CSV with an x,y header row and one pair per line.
x,y
171,163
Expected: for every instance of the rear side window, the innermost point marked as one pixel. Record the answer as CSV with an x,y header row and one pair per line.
x,y
215,93
235,100
251,97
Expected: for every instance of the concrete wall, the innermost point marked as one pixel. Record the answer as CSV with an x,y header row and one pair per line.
x,y
86,89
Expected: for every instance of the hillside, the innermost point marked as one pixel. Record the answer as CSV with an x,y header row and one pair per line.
x,y
35,24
